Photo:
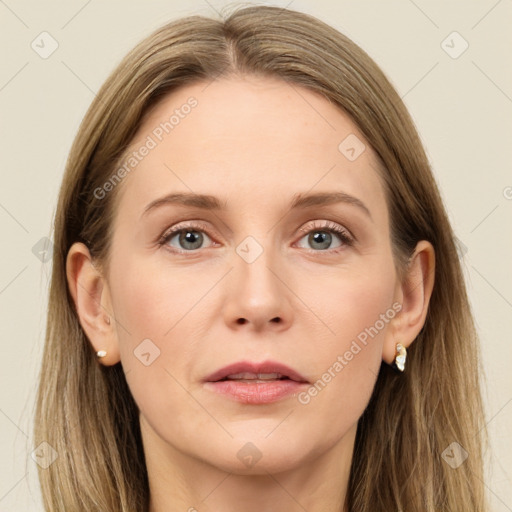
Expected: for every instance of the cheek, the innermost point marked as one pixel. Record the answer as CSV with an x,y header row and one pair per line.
x,y
161,320
352,304
356,310
150,300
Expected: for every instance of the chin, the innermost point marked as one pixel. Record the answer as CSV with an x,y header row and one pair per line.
x,y
259,455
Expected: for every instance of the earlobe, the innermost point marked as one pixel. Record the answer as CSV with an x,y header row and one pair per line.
x,y
415,292
91,297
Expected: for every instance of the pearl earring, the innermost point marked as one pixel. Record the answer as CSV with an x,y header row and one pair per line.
x,y
401,356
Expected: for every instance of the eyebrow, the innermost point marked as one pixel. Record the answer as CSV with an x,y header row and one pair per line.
x,y
299,201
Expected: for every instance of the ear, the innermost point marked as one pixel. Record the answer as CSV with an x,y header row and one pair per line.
x,y
91,296
413,293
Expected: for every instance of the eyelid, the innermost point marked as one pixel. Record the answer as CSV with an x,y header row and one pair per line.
x,y
346,237
182,226
328,225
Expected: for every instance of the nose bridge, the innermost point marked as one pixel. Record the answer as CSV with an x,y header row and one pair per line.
x,y
256,263
258,296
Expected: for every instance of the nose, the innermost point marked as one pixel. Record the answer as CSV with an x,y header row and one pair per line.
x,y
258,297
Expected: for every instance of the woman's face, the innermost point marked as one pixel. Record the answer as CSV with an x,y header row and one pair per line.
x,y
256,279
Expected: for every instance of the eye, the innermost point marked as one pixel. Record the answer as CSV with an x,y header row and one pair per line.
x,y
187,237
320,237
190,237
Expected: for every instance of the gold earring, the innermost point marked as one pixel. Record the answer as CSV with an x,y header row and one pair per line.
x,y
399,362
101,353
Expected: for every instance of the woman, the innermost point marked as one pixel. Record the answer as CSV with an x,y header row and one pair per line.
x,y
256,300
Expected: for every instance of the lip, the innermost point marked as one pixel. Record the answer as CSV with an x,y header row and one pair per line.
x,y
252,367
257,392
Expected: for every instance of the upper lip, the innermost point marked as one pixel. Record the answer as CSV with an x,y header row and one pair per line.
x,y
254,367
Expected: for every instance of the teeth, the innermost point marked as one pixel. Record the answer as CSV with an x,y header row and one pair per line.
x,y
254,376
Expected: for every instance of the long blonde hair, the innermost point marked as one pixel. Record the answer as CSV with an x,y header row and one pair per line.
x,y
86,412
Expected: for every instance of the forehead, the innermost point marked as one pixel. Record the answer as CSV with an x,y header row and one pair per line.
x,y
247,137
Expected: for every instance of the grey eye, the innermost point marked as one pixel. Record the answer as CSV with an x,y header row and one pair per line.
x,y
320,239
188,239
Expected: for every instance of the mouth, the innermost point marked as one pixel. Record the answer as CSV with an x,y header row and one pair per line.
x,y
256,383
250,372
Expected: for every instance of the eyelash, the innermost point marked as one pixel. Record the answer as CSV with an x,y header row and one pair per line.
x,y
343,234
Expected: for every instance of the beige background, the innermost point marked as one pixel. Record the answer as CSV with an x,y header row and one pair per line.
x,y
462,107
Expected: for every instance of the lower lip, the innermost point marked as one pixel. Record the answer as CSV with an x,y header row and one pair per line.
x,y
256,392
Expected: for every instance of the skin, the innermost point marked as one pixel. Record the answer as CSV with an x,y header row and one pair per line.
x,y
253,143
